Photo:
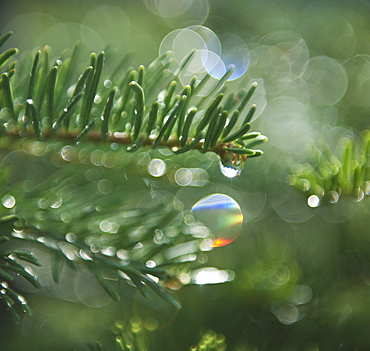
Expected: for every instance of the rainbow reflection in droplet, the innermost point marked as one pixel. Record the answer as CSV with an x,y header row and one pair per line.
x,y
222,215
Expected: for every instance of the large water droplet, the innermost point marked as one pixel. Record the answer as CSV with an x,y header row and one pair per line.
x,y
230,170
222,215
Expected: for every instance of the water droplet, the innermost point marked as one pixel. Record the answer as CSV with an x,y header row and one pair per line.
x,y
22,300
71,237
151,324
109,251
114,146
333,196
222,215
65,217
280,275
57,203
108,83
359,193
8,201
229,170
367,188
304,184
97,99
158,237
301,294
313,201
211,275
86,255
95,248
157,168
150,264
143,159
105,186
287,314
105,226
68,153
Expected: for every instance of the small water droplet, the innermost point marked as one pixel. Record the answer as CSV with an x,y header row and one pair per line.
x,y
304,184
333,196
71,237
313,201
359,193
301,294
157,167
109,251
287,314
86,255
222,215
68,153
57,204
22,300
158,237
367,188
105,226
107,83
150,264
8,201
97,99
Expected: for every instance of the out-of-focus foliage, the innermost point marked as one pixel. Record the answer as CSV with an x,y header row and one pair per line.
x,y
332,176
297,274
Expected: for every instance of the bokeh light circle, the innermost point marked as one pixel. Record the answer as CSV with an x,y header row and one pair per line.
x,y
327,30
196,68
326,80
292,46
114,25
235,53
168,8
358,71
176,13
186,41
294,131
213,64
210,38
214,55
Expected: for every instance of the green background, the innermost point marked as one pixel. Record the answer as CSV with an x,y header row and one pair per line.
x,y
301,274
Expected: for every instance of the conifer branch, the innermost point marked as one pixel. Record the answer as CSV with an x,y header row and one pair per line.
x,y
147,107
130,114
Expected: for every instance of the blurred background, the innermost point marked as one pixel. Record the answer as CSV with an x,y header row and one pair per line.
x,y
297,275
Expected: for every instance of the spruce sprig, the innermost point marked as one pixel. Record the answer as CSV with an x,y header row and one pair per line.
x,y
58,106
48,100
12,264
